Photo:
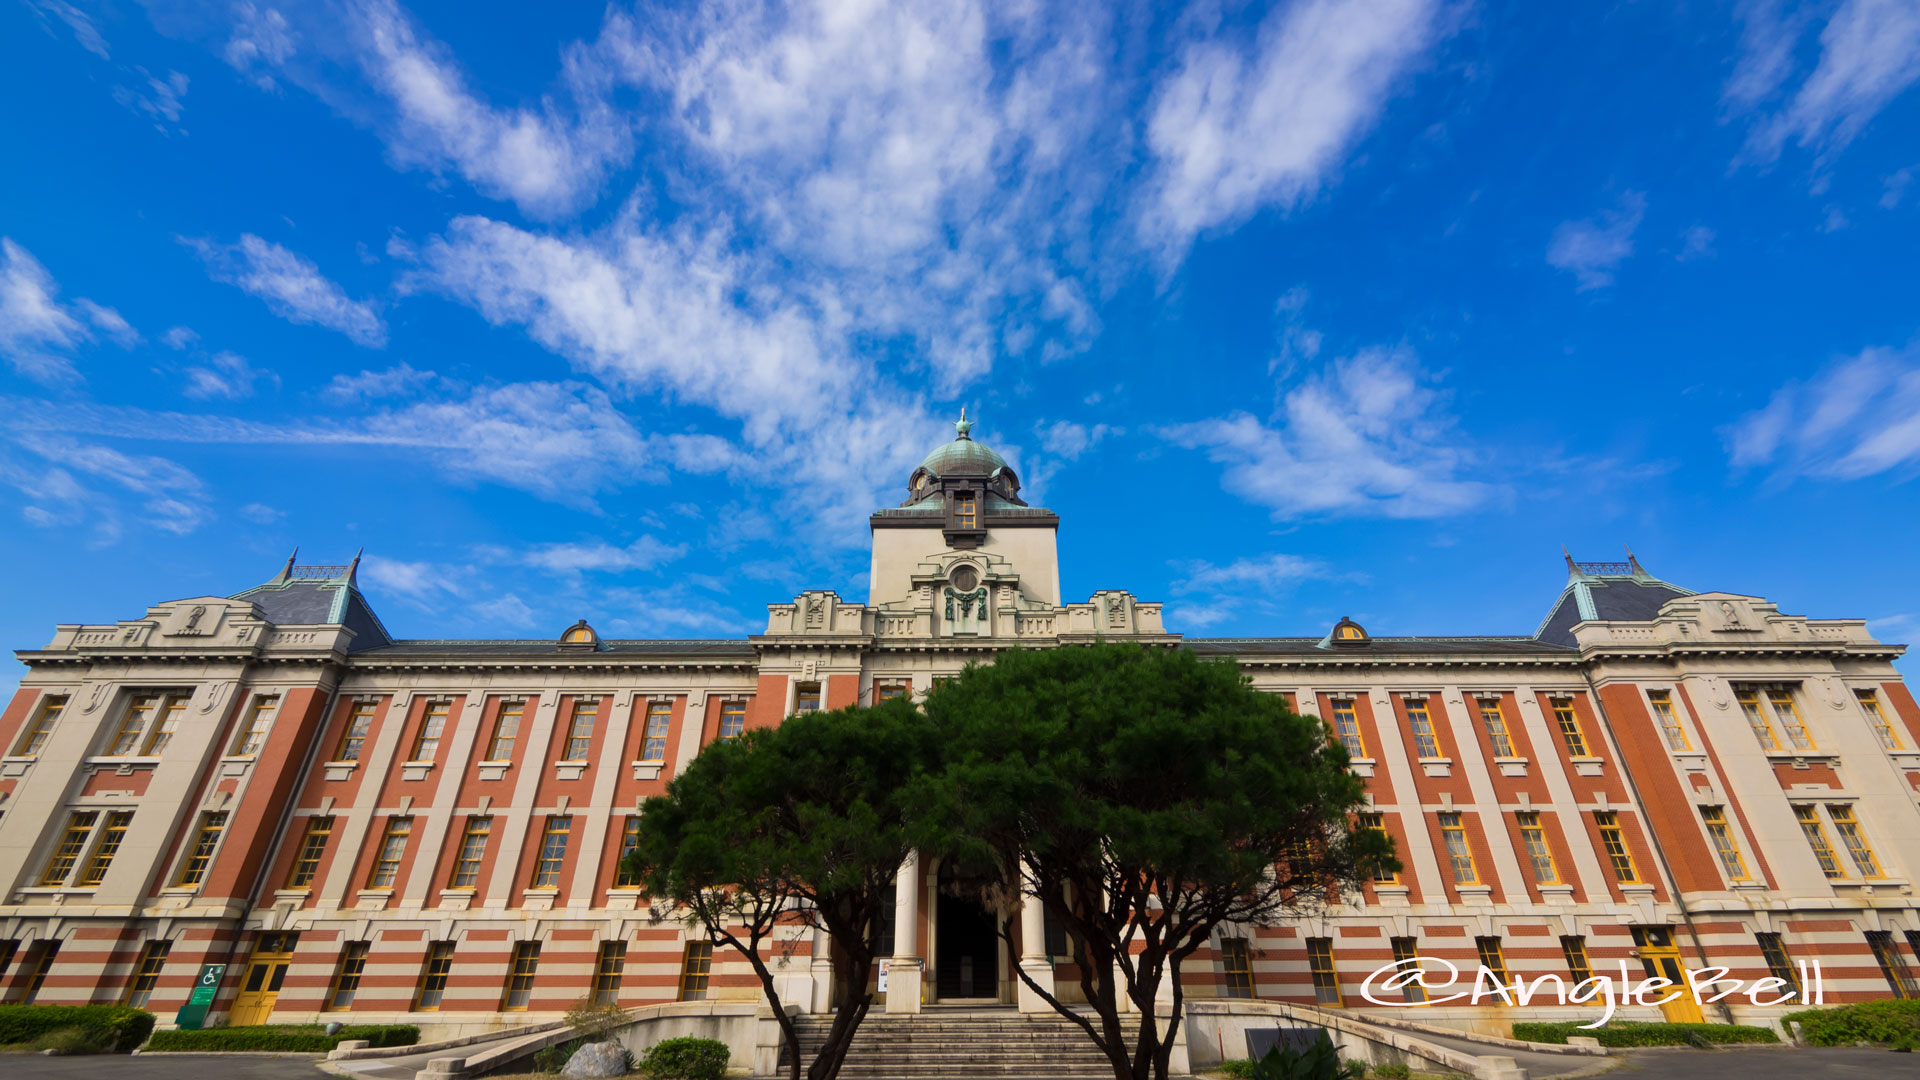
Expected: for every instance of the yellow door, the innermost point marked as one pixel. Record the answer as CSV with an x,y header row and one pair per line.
x,y
260,987
1664,962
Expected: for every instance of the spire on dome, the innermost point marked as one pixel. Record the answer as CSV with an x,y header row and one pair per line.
x,y
963,426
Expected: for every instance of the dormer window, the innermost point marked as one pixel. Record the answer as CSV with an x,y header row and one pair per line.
x,y
1349,633
966,512
579,636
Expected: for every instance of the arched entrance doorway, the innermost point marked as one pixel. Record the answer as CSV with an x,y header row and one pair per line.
x,y
967,949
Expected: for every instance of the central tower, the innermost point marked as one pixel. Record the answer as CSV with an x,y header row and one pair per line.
x,y
963,529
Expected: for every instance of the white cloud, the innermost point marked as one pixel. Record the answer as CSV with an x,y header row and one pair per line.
x,y
261,514
159,100
1696,243
225,375
291,285
261,40
179,337
1859,417
79,22
396,381
38,333
1591,249
1237,129
1869,55
1895,188
508,610
417,581
166,495
1363,436
1066,439
1267,573
645,553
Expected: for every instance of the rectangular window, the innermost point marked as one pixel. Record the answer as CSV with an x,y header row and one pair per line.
x,y
253,730
34,735
146,973
1347,726
41,966
1724,844
888,689
433,977
393,848
1495,722
1236,967
306,862
66,853
806,697
1534,839
1876,718
1574,948
964,512
695,967
607,972
1459,853
165,723
1809,818
426,745
1326,981
1569,724
1779,964
1796,729
653,745
1757,720
1493,959
1615,842
526,961
1892,964
358,724
553,852
1424,743
1662,702
506,728
1378,823
473,848
105,847
1406,953
1856,841
629,839
206,838
346,977
580,729
733,719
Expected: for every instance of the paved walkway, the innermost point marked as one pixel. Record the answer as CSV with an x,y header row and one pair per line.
x,y
1538,1065
1776,1063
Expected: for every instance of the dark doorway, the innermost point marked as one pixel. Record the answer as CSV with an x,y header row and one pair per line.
x,y
967,950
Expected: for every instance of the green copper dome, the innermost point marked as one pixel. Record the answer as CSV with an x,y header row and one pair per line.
x,y
962,456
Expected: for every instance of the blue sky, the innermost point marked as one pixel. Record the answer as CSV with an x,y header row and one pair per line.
x,y
1291,311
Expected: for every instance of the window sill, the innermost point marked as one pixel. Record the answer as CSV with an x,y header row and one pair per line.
x,y
1691,760
1475,894
1391,895
416,770
290,896
340,770
1436,766
1361,766
494,770
1905,759
541,899
16,766
569,770
1588,765
237,764
623,899
1560,892
124,764
372,899
1802,759
1511,766
648,770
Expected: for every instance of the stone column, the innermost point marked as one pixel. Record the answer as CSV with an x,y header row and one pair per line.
x,y
903,978
822,964
1034,960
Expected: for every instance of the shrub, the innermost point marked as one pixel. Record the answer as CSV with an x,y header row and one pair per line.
x,y
1630,1033
1886,1023
553,1058
592,1019
109,1028
71,1040
1390,1072
282,1038
686,1058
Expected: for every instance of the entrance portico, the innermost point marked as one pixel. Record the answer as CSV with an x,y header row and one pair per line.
x,y
952,954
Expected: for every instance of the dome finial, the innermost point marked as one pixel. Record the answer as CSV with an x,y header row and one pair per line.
x,y
963,426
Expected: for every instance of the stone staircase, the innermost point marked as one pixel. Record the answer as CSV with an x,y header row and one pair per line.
x,y
960,1044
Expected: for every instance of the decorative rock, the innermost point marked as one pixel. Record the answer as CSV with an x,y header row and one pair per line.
x,y
595,1061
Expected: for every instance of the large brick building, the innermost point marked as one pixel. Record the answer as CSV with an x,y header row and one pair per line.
x,y
432,829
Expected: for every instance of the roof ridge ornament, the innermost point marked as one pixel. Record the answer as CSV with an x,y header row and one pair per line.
x,y
963,427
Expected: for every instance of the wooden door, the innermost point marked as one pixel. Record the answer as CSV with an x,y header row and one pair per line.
x,y
260,985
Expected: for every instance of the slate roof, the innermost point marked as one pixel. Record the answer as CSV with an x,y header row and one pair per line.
x,y
545,648
1635,597
335,601
1380,646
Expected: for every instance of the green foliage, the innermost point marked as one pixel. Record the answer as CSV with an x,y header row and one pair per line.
x,y
1390,1072
1318,1062
1885,1023
554,1058
1632,1033
107,1028
71,1040
282,1038
593,1019
686,1058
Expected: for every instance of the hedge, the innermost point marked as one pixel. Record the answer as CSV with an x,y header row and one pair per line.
x,y
1886,1023
282,1038
1630,1033
113,1028
686,1058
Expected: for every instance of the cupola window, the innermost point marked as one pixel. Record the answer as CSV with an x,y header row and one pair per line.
x,y
966,513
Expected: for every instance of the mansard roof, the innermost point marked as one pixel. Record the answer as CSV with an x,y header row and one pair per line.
x,y
1605,592
314,595
1382,647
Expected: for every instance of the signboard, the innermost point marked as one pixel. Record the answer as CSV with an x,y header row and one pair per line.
x,y
205,989
884,965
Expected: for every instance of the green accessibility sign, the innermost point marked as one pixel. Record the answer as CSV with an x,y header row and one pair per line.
x,y
205,989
